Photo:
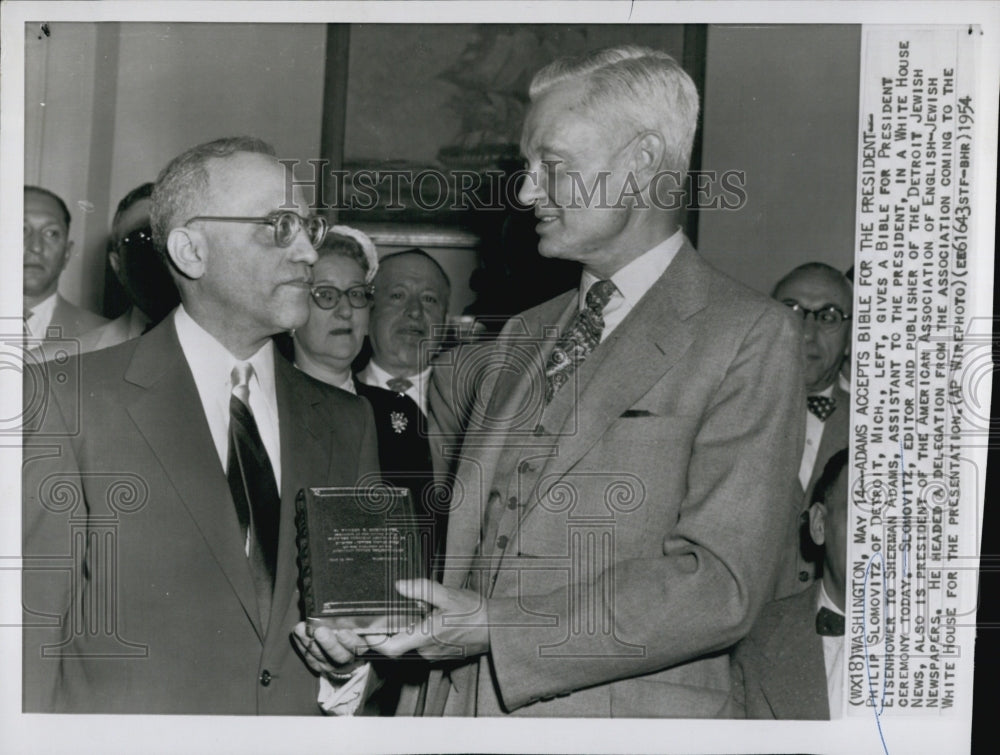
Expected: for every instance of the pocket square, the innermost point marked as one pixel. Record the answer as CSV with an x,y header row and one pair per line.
x,y
637,413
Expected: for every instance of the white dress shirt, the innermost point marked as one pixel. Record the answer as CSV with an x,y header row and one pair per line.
x,y
632,281
41,316
833,658
212,365
814,435
372,374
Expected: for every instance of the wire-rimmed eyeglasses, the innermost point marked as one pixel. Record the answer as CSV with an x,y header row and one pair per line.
x,y
328,297
285,223
829,317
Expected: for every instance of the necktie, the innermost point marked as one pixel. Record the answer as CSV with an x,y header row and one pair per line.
x,y
28,312
821,406
829,623
580,338
255,493
400,385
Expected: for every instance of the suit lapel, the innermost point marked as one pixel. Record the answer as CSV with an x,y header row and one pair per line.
x,y
645,345
306,459
516,387
170,417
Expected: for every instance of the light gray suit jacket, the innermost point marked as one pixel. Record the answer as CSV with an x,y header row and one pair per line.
x,y
652,504
71,320
778,670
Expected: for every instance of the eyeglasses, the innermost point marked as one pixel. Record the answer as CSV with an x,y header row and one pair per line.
x,y
328,297
828,318
286,225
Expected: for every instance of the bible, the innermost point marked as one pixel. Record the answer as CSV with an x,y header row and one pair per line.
x,y
353,544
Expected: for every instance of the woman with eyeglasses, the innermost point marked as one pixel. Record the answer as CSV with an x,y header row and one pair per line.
x,y
325,347
338,310
331,339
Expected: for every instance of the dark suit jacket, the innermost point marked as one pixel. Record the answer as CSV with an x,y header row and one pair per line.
x,y
778,670
405,456
124,492
648,507
800,555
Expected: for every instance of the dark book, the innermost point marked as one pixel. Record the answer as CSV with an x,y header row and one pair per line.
x,y
354,544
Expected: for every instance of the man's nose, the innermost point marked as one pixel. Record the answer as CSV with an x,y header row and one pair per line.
x,y
809,328
33,242
530,190
415,308
302,250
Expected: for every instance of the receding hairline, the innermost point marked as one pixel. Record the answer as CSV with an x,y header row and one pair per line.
x,y
417,253
52,196
815,268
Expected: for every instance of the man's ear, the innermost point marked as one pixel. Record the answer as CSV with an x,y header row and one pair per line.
x,y
817,519
115,261
647,157
186,248
67,253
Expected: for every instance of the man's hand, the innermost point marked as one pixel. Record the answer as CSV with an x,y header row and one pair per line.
x,y
456,628
333,653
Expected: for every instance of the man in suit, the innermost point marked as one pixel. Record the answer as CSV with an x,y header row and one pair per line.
x,y
618,502
791,666
161,474
47,249
141,271
822,298
408,314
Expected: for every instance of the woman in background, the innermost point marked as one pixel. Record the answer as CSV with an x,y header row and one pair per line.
x,y
324,349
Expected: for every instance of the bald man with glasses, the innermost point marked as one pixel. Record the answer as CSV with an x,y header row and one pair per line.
x,y
821,299
180,454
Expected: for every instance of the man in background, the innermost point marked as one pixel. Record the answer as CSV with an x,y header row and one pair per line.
x,y
47,249
141,271
177,457
408,316
821,298
791,666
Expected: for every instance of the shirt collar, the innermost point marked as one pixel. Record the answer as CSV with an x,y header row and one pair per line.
x,y
828,391
639,275
45,307
211,363
823,600
382,377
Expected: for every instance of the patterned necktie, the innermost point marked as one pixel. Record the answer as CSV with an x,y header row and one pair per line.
x,y
821,406
829,623
580,338
399,385
255,493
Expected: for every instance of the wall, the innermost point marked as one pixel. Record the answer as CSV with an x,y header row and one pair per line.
x,y
59,112
122,99
781,103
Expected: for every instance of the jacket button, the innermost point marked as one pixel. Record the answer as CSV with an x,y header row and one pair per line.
x,y
265,678
803,576
512,502
502,542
